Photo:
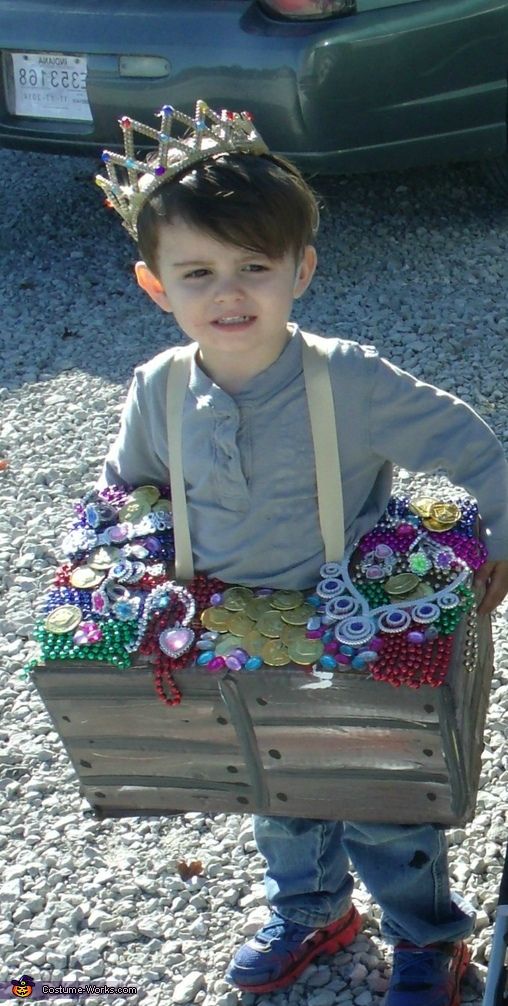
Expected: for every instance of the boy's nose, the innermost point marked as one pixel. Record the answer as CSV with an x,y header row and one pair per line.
x,y
229,290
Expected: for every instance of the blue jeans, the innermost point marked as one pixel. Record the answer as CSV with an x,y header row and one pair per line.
x,y
404,867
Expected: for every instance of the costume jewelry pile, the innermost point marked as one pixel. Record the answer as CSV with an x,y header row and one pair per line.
x,y
389,609
131,181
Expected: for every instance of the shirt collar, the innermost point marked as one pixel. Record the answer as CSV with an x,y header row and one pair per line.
x,y
264,385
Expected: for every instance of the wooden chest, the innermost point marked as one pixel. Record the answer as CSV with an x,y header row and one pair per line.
x,y
278,741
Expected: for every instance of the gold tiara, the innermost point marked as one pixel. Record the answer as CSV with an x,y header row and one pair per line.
x,y
131,182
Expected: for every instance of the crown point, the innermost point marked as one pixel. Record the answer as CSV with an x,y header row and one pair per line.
x,y
105,157
248,115
160,170
229,115
167,110
125,122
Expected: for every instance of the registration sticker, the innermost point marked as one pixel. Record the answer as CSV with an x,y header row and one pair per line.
x,y
49,85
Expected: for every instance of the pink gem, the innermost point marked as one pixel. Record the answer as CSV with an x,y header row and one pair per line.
x,y
314,633
216,664
374,573
341,658
87,633
376,644
331,648
174,642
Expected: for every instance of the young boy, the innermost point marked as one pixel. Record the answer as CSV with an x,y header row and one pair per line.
x,y
226,235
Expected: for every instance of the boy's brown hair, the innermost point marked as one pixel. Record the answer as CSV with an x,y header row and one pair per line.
x,y
261,203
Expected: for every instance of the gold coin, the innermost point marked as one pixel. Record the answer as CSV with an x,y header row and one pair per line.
x,y
290,633
134,510
422,590
63,619
164,506
104,557
275,654
84,577
257,606
270,624
300,615
148,494
239,623
436,525
446,512
286,599
216,619
227,643
402,583
253,642
235,598
422,505
305,651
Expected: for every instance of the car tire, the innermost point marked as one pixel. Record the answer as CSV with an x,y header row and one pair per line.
x,y
496,171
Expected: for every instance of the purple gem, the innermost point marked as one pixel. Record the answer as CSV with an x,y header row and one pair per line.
x,y
216,599
233,663
357,626
160,170
416,637
241,655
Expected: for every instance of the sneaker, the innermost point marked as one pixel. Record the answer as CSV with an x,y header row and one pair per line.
x,y
427,976
281,950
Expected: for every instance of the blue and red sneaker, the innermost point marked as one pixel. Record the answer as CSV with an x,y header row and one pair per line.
x,y
427,976
281,950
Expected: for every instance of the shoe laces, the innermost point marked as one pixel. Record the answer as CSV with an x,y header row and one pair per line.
x,y
278,927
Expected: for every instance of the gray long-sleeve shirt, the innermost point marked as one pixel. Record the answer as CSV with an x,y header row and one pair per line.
x,y
249,461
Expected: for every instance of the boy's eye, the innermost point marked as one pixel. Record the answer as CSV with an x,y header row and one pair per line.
x,y
196,273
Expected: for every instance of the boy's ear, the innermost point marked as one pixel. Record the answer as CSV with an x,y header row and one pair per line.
x,y
305,270
151,285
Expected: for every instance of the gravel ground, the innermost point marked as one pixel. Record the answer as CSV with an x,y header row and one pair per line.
x,y
413,262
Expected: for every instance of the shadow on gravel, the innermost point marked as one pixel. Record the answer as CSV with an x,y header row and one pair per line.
x,y
69,300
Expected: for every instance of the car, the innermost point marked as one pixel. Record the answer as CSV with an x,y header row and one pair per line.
x,y
338,86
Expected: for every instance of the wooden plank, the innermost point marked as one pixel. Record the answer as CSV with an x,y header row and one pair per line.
x,y
98,716
328,799
142,757
352,746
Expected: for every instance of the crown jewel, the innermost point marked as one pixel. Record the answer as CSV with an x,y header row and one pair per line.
x,y
130,182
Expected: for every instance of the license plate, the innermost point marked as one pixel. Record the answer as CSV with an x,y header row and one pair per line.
x,y
49,85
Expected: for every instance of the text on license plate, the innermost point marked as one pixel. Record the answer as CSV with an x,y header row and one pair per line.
x,y
49,85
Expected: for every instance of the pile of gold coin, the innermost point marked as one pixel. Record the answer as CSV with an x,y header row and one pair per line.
x,y
140,503
271,626
436,515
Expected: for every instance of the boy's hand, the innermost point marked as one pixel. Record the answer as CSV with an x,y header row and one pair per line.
x,y
495,577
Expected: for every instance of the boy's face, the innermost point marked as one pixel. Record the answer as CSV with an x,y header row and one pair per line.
x,y
207,284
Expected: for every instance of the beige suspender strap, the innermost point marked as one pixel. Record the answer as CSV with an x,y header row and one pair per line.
x,y
326,449
178,380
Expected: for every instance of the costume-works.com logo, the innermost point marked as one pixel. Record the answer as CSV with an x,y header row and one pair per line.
x,y
22,987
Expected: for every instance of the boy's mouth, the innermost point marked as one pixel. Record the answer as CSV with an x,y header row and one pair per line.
x,y
237,321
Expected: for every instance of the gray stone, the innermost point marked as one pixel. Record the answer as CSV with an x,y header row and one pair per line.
x,y
186,989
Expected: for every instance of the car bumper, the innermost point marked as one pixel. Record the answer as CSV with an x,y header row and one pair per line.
x,y
417,82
